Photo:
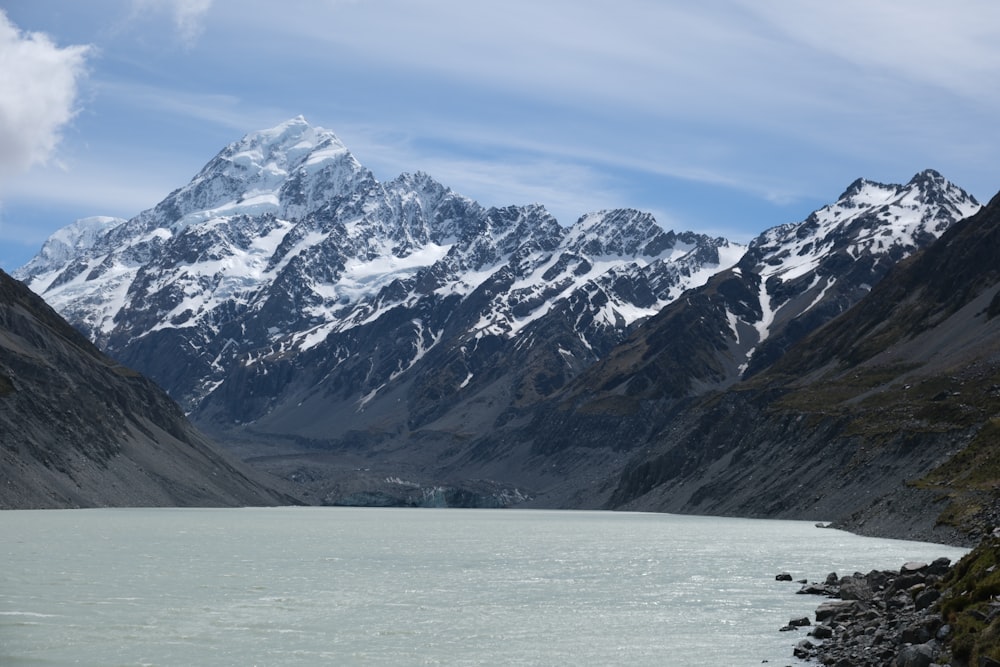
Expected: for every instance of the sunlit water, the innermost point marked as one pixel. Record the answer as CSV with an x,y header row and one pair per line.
x,y
325,586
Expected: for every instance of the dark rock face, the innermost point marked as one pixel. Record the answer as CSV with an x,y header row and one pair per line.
x,y
81,430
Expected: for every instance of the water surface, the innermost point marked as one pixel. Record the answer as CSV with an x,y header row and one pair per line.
x,y
342,586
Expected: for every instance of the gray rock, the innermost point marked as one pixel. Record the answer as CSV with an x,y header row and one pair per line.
x,y
917,655
885,630
834,608
899,601
818,589
926,598
822,632
854,588
915,634
803,650
939,566
783,576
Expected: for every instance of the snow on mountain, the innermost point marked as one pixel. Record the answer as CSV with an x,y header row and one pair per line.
x,y
871,226
793,279
284,244
288,299
65,245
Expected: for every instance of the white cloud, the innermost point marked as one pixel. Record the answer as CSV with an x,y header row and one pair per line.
x,y
188,15
188,18
38,89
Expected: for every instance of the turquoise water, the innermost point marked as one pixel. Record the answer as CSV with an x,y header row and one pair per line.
x,y
346,586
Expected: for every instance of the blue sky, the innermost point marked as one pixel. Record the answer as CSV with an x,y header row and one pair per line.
x,y
722,116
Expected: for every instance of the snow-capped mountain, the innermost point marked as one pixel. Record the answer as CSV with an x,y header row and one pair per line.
x,y
882,421
285,271
792,279
294,304
833,258
67,243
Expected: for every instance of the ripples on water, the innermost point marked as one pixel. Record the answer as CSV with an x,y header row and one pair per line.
x,y
318,586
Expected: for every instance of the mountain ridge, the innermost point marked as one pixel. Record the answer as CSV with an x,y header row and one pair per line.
x,y
894,402
221,274
324,324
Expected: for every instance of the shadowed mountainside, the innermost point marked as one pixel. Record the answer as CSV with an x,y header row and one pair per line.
x,y
886,418
80,430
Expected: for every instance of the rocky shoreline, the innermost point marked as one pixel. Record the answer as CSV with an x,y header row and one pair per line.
x,y
897,617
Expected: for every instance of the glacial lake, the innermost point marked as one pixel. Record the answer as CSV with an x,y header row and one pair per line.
x,y
343,586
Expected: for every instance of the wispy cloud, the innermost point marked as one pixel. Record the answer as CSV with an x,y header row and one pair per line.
x,y
703,92
580,175
217,108
188,16
951,46
817,71
668,106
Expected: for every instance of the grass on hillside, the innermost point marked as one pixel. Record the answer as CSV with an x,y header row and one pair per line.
x,y
969,604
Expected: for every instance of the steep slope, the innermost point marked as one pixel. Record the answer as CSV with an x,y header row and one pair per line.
x,y
886,418
792,280
290,302
80,430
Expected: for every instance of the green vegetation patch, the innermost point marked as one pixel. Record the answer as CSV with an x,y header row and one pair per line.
x,y
967,603
970,480
6,385
977,466
125,371
873,386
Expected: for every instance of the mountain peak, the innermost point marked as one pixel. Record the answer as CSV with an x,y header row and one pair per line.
x,y
620,231
65,243
289,169
864,192
286,145
857,186
927,175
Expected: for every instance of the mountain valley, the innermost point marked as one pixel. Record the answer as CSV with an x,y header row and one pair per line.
x,y
399,344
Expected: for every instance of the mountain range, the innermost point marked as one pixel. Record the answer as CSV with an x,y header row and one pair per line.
x,y
397,343
286,296
886,417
